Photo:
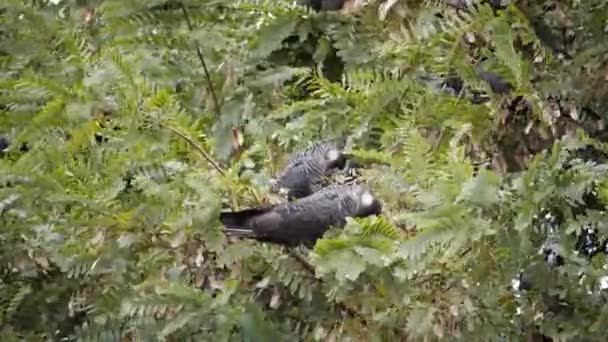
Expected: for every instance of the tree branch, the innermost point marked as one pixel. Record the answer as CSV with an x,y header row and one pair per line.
x,y
302,261
197,147
216,103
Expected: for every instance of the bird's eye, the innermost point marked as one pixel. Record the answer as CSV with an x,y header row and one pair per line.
x,y
367,199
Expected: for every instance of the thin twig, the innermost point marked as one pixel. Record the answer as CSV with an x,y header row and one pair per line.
x,y
466,251
310,268
216,103
197,147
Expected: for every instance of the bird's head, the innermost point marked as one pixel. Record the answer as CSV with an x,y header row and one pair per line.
x,y
369,204
362,202
277,188
291,194
335,158
4,143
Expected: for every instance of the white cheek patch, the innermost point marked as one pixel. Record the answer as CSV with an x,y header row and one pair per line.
x,y
367,199
333,154
283,191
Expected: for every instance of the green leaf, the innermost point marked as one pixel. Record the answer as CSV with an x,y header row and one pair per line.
x,y
277,76
255,328
344,263
481,190
371,256
505,51
420,321
271,36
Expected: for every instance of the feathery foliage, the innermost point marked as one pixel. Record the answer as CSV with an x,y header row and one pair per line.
x,y
133,123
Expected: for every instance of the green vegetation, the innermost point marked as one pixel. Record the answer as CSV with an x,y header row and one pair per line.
x,y
134,123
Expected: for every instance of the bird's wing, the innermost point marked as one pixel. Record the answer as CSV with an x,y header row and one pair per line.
x,y
297,174
303,220
269,224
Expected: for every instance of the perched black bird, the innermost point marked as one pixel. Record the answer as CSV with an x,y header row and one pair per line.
x,y
304,172
453,85
496,83
552,252
323,5
304,220
7,141
4,142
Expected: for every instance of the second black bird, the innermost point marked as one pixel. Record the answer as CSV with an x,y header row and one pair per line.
x,y
303,174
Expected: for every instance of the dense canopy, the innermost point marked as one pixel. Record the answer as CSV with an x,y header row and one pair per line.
x,y
127,126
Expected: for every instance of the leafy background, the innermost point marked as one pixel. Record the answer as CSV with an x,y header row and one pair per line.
x,y
133,123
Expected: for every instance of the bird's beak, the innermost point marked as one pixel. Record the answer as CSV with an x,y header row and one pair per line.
x,y
377,207
276,188
274,185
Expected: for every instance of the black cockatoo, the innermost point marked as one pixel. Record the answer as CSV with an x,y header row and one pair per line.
x,y
305,171
323,5
5,142
305,220
495,81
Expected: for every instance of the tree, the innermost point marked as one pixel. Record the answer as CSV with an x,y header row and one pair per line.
x,y
133,123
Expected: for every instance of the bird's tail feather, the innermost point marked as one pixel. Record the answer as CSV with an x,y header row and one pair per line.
x,y
239,232
239,221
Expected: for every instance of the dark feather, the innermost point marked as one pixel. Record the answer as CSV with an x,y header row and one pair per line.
x,y
245,233
323,5
4,142
305,169
496,83
240,219
304,220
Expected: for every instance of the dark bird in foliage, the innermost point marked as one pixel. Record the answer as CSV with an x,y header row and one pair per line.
x,y
305,220
4,143
524,283
454,86
323,5
588,243
496,83
552,252
305,170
